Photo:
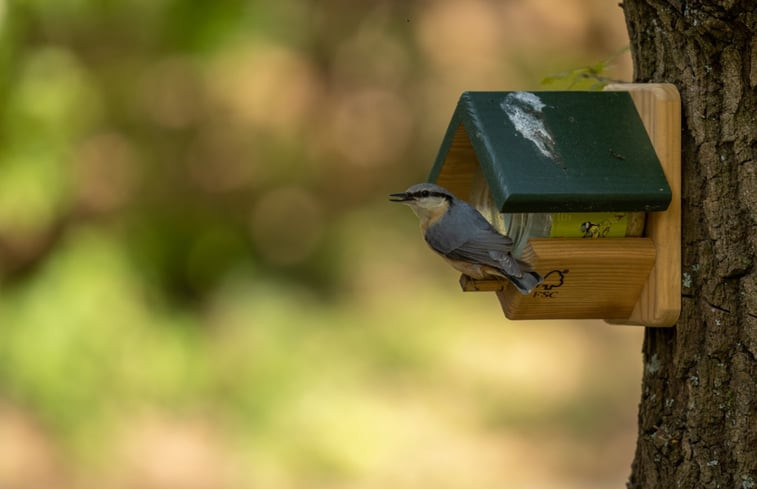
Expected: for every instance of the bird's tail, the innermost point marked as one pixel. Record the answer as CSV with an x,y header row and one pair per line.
x,y
523,276
527,282
528,279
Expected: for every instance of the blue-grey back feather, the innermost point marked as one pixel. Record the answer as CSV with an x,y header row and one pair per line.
x,y
464,234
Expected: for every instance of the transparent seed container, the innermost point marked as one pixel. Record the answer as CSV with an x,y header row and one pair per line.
x,y
521,227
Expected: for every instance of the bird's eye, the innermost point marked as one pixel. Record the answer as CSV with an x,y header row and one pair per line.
x,y
424,193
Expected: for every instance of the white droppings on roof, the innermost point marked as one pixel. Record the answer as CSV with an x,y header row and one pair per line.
x,y
524,109
527,98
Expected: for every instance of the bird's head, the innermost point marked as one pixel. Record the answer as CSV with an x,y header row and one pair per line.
x,y
425,199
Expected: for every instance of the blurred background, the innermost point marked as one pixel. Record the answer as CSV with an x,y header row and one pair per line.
x,y
202,284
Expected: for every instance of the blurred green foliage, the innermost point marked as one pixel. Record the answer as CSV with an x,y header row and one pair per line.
x,y
592,77
198,265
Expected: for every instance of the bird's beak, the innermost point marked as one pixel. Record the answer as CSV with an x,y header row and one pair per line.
x,y
400,197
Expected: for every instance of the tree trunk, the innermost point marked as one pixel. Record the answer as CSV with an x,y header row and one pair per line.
x,y
697,423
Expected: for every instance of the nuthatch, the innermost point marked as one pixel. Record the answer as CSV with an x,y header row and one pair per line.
x,y
464,238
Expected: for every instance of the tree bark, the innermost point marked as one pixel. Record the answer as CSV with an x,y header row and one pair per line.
x,y
697,423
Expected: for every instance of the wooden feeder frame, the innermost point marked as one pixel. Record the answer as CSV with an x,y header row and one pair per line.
x,y
621,280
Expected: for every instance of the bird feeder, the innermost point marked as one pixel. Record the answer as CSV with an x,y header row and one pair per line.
x,y
587,184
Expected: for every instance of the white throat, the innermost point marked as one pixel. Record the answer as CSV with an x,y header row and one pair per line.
x,y
429,210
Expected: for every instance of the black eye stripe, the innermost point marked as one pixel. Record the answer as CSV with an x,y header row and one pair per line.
x,y
429,193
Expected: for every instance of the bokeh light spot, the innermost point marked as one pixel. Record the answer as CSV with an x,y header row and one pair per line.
x,y
171,93
371,127
287,225
264,85
105,169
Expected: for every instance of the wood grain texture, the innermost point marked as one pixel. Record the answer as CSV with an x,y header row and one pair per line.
x,y
584,278
471,285
460,166
659,106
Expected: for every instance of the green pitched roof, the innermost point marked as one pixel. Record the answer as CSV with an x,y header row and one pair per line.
x,y
559,151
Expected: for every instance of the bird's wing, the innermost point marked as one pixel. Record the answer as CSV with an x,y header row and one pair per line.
x,y
457,226
464,234
488,249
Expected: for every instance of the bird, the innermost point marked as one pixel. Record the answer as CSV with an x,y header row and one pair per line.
x,y
464,238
